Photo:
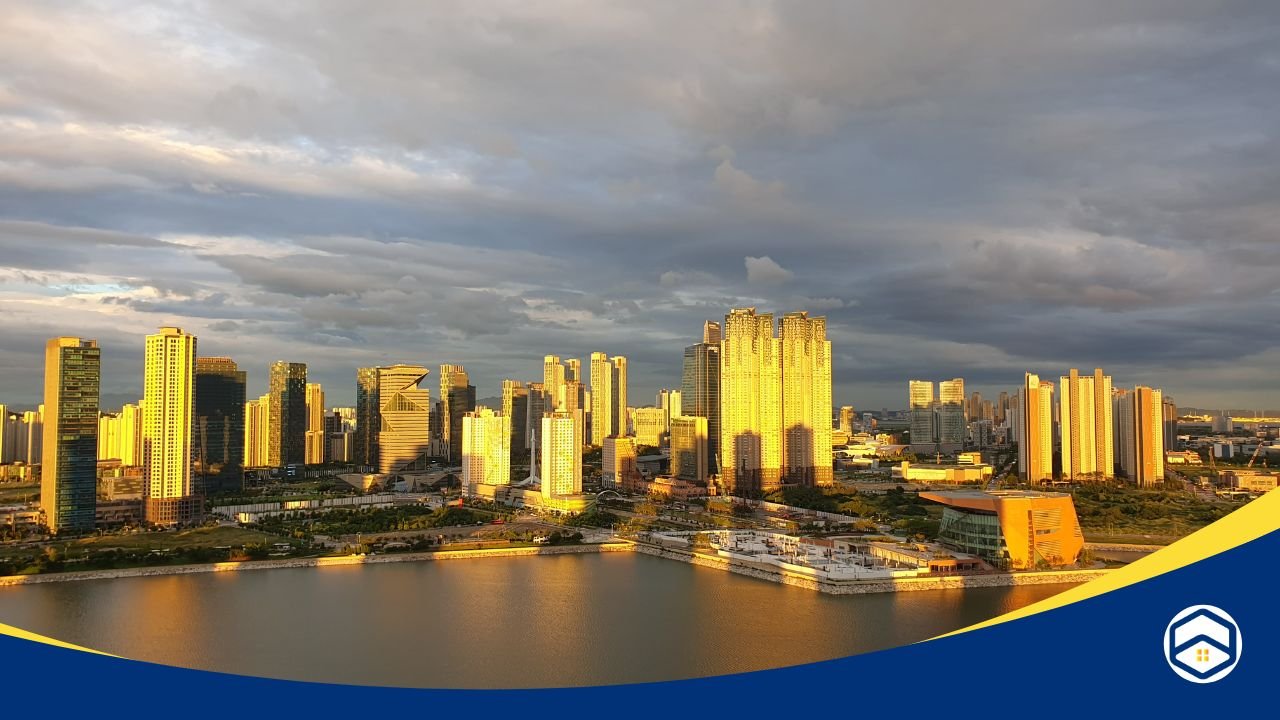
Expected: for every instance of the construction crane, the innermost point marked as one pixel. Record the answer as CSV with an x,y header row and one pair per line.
x,y
1254,458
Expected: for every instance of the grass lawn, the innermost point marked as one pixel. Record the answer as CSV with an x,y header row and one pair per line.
x,y
206,537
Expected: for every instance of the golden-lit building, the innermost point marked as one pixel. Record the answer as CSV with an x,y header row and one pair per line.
x,y
1085,420
1011,529
168,419
618,462
669,401
688,443
552,383
257,432
750,404
618,400
68,470
1139,435
602,412
805,373
561,454
515,405
1035,430
457,398
287,386
922,404
952,425
649,422
120,436
315,437
404,436
486,449
846,419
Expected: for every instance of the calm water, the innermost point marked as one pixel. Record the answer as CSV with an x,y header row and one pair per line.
x,y
520,622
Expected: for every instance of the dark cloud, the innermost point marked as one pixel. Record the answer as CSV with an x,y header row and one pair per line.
x,y
963,191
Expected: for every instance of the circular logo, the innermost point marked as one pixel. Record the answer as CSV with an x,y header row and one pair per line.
x,y
1202,644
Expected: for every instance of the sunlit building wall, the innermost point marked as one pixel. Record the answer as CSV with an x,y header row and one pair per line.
x,y
288,390
750,404
669,401
1035,430
168,418
649,426
1085,425
553,383
561,454
404,438
602,415
921,399
806,399
689,449
952,427
1140,435
68,472
700,389
486,448
257,432
618,461
315,435
847,415
457,398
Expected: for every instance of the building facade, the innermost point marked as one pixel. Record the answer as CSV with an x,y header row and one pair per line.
x,y
700,389
170,496
561,454
486,449
922,403
1011,529
689,449
220,425
1139,420
1035,430
1085,421
750,404
68,471
404,433
805,375
288,426
368,423
315,441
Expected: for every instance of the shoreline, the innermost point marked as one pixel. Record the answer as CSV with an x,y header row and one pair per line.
x,y
759,572
329,561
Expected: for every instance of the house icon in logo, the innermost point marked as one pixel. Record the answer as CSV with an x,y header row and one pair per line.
x,y
1202,644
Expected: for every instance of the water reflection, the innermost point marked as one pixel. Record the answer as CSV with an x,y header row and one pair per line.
x,y
520,622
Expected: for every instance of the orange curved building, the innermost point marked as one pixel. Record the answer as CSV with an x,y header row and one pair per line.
x,y
1011,529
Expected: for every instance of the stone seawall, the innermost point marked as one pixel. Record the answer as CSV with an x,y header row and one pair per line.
x,y
311,562
859,587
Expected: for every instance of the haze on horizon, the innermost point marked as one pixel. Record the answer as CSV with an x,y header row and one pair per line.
x,y
964,191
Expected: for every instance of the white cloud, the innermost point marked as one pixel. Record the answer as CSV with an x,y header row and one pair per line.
x,y
764,271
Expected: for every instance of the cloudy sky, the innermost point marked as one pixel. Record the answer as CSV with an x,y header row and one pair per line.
x,y
972,191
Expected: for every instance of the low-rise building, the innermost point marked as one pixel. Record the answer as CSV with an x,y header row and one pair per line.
x,y
1011,529
972,474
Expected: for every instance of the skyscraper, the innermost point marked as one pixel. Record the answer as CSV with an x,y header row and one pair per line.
x,y
602,406
314,453
368,423
806,399
750,404
515,407
457,398
219,433
1085,422
1035,430
847,415
922,403
1170,424
168,414
1139,419
649,426
533,420
689,449
700,390
288,428
257,432
553,382
404,437
618,401
952,428
68,472
561,455
486,449
711,333
618,462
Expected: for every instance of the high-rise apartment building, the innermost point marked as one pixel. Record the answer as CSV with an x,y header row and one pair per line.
x,y
219,433
368,423
68,472
1035,430
1170,424
700,389
120,436
553,382
649,422
750,404
952,427
669,402
533,420
315,439
1085,423
257,432
602,414
288,390
486,449
923,415
1139,421
561,454
404,435
689,449
618,401
806,399
168,411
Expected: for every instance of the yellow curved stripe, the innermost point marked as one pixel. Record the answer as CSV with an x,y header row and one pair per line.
x,y
34,637
1245,524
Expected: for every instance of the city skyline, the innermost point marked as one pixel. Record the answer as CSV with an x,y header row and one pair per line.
x,y
950,217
